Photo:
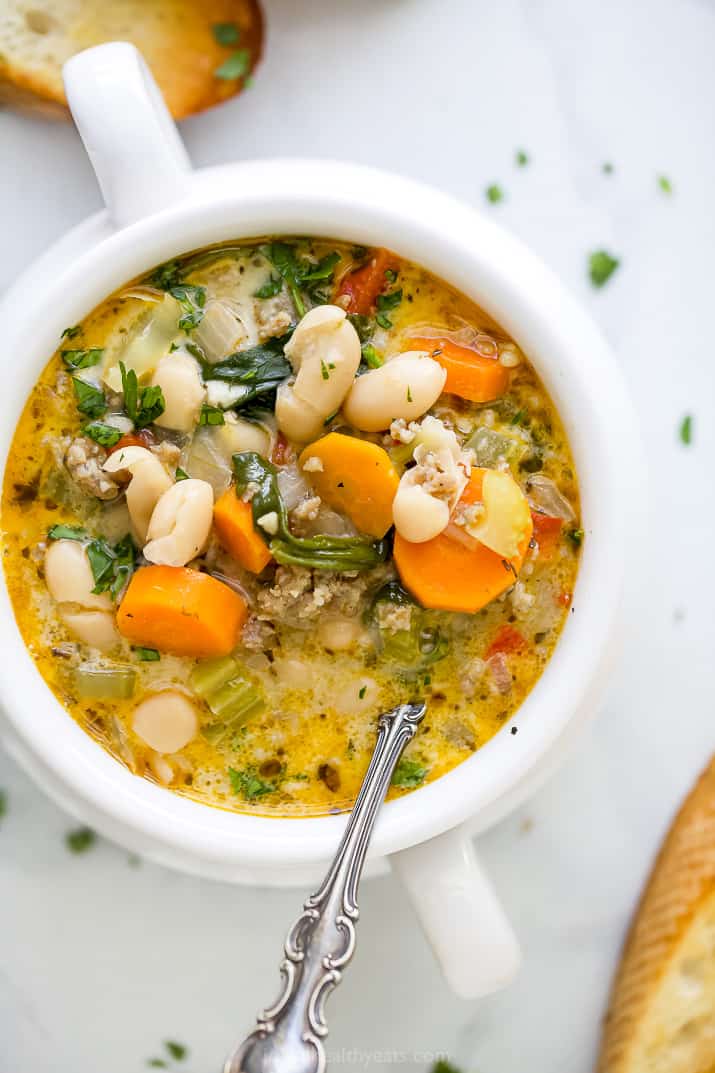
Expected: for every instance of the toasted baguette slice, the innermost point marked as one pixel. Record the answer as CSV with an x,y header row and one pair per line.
x,y
176,37
662,1010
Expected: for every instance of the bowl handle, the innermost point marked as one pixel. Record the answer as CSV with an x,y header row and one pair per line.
x,y
460,914
133,144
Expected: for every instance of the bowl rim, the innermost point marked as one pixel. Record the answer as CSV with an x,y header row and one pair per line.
x,y
471,252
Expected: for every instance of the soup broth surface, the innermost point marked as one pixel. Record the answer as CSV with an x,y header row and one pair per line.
x,y
285,721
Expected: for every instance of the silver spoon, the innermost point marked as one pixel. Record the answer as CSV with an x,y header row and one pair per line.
x,y
288,1037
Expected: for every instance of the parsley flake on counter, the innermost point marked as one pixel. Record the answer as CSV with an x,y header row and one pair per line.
x,y
3,803
521,158
601,266
665,184
225,33
178,1051
80,840
443,1066
236,66
494,194
607,168
686,430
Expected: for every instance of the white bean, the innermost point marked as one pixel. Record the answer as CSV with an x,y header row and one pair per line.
x,y
178,377
180,523
357,696
339,634
149,481
69,578
166,721
292,673
418,516
94,628
406,387
325,354
237,435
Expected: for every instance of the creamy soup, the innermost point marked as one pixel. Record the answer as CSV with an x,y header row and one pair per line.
x,y
272,489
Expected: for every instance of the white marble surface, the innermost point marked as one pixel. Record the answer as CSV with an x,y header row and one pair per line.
x,y
102,960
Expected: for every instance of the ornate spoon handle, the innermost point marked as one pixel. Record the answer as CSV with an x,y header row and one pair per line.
x,y
288,1037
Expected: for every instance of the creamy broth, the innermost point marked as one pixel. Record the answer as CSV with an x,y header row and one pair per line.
x,y
286,715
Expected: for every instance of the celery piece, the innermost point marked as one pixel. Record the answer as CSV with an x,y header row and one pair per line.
x,y
235,701
490,447
210,675
105,683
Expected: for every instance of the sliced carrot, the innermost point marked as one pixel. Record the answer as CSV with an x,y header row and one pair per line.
x,y
547,532
470,375
181,611
507,639
364,284
133,439
452,575
233,521
357,479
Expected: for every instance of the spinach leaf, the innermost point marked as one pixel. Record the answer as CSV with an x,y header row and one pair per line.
x,y
82,359
66,532
271,288
112,565
408,774
104,435
142,404
211,415
261,369
192,301
90,399
321,552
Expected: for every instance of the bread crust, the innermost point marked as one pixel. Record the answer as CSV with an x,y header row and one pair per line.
x,y
679,892
175,36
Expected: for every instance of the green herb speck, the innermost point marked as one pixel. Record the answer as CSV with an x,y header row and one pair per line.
x,y
226,33
236,66
178,1051
80,840
686,430
3,803
601,266
665,184
494,194
521,158
607,168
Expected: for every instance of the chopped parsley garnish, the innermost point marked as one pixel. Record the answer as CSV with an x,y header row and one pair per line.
x,y
180,474
686,430
111,565
385,303
192,301
390,275
146,655
575,536
521,158
3,803
248,784
211,415
601,266
82,359
225,33
665,184
443,1066
518,417
408,774
361,692
70,333
271,288
236,66
409,394
142,404
80,840
331,417
165,276
259,370
91,400
607,168
301,275
66,532
494,194
324,371
104,435
370,356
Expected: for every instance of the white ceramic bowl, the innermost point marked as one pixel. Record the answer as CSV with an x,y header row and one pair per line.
x,y
158,208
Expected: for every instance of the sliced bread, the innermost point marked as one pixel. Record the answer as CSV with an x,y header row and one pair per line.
x,y
199,52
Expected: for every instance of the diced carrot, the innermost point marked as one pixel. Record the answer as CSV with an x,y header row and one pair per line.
x,y
181,611
357,478
507,639
452,575
364,284
547,532
133,439
470,375
563,599
233,521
